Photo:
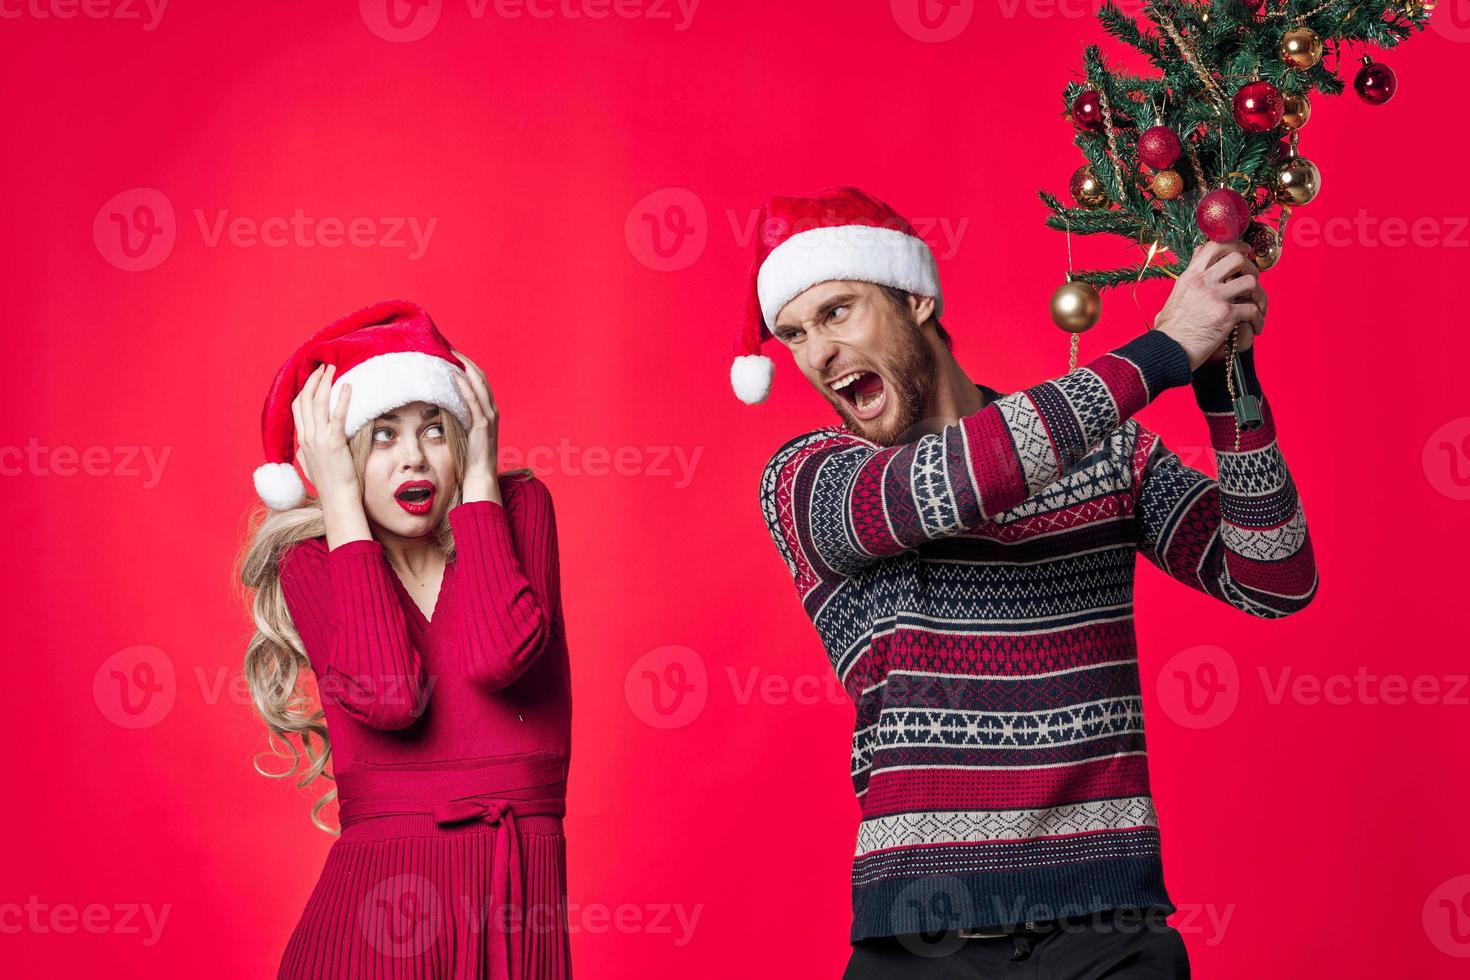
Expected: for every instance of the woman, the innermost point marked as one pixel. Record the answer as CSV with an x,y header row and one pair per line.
x,y
420,588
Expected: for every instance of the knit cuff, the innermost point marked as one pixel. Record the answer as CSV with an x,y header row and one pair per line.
x,y
354,563
1211,392
471,506
349,548
482,528
1160,359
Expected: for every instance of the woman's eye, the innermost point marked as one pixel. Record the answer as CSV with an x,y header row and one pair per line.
x,y
835,312
381,432
436,430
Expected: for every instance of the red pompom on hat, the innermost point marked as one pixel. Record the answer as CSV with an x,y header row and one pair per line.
x,y
838,233
391,353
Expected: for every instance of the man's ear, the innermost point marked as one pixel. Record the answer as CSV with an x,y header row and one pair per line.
x,y
922,308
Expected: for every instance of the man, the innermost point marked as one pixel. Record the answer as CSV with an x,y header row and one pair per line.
x,y
967,559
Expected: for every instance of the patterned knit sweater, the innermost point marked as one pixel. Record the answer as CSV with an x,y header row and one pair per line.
x,y
974,592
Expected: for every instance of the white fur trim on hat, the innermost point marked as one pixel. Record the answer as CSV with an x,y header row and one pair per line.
x,y
387,381
750,376
279,486
886,256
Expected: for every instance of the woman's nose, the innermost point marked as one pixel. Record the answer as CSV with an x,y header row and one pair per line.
x,y
413,455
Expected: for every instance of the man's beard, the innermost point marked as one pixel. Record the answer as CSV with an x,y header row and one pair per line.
x,y
909,381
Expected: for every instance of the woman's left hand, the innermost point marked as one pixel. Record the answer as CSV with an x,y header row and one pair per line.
x,y
483,435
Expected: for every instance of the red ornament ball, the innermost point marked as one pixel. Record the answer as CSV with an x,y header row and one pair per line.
x,y
1222,215
1159,147
1376,83
1087,111
1258,107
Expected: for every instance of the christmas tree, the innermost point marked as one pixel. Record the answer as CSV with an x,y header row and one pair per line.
x,y
1209,148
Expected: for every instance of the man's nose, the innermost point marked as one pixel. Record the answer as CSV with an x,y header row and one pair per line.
x,y
819,352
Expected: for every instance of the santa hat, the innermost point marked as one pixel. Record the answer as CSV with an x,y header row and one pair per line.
x,y
838,233
391,353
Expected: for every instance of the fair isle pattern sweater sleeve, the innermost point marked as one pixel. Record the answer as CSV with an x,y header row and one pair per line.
x,y
1242,539
835,502
351,622
507,586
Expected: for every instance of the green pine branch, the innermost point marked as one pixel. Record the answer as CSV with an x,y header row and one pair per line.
x,y
1230,47
1123,27
1108,278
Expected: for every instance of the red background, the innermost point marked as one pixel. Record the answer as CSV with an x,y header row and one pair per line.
x,y
1328,831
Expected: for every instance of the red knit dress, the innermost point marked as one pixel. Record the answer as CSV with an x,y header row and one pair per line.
x,y
450,745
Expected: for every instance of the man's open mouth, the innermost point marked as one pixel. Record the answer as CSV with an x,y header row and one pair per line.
x,y
864,391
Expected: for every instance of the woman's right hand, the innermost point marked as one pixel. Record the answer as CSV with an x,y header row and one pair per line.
x,y
324,455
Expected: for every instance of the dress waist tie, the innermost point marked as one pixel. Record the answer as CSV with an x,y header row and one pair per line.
x,y
494,793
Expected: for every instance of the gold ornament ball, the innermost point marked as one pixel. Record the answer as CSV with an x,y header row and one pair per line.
x,y
1297,181
1413,8
1301,48
1086,189
1075,306
1167,185
1298,111
1265,245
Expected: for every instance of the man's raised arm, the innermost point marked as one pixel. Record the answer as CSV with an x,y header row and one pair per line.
x,y
844,502
1242,539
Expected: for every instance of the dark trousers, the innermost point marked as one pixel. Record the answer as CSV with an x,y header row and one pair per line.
x,y
1120,944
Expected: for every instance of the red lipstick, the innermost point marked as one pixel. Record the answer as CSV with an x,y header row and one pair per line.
x,y
415,496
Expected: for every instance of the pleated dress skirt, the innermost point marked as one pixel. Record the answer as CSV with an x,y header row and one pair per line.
x,y
473,889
